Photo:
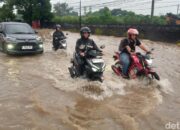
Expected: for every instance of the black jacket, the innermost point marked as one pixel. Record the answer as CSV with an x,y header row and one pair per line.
x,y
127,42
82,44
58,34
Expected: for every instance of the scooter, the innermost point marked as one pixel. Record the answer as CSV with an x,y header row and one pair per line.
x,y
141,65
94,65
59,43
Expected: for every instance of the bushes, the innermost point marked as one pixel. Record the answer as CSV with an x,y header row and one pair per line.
x,y
66,19
102,20
98,31
117,16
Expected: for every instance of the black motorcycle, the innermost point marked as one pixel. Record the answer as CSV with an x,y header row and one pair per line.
x,y
94,65
59,43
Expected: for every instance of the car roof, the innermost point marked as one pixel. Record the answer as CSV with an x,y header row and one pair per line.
x,y
6,23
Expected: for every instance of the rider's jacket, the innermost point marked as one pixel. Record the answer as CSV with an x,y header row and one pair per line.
x,y
82,44
127,42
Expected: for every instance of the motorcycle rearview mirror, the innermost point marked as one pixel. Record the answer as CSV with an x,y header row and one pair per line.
x,y
102,46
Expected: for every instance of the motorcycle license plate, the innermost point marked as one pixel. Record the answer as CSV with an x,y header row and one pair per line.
x,y
97,60
27,47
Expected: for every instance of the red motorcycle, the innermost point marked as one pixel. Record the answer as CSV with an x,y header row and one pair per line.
x,y
141,65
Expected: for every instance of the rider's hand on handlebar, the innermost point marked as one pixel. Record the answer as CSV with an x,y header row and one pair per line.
x,y
132,53
82,54
148,52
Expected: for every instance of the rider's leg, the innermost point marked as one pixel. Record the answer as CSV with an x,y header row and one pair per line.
x,y
125,59
81,63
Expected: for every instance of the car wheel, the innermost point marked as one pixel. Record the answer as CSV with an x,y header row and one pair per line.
x,y
4,48
41,52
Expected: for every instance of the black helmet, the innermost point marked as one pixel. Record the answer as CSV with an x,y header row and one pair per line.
x,y
85,29
58,26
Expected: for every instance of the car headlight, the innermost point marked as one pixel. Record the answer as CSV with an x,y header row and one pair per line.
x,y
39,39
10,46
94,69
10,39
40,45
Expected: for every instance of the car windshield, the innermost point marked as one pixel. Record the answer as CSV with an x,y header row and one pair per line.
x,y
19,29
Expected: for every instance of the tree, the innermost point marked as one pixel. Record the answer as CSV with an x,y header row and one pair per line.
x,y
119,12
33,9
6,11
63,10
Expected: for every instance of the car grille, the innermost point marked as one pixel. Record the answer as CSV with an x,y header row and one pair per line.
x,y
20,45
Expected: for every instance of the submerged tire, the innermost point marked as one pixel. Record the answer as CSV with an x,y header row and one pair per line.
x,y
133,73
156,76
72,72
4,49
117,68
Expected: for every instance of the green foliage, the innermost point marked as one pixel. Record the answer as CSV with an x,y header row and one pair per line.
x,y
31,9
116,16
41,10
119,12
6,13
63,10
159,20
66,19
98,31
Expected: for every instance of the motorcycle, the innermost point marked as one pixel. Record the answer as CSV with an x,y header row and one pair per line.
x,y
59,43
141,65
94,65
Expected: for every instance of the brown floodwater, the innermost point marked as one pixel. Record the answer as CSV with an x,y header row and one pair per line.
x,y
37,92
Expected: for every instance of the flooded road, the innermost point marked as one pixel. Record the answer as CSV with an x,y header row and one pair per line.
x,y
37,92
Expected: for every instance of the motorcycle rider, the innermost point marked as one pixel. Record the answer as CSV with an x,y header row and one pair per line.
x,y
81,46
58,33
127,48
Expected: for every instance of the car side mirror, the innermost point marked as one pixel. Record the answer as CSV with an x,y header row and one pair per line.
x,y
36,31
1,34
102,46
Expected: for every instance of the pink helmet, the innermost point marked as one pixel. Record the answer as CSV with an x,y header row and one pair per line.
x,y
132,31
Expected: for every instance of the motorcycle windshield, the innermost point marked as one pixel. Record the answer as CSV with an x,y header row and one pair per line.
x,y
92,53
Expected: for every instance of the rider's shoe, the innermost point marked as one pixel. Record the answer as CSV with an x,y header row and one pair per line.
x,y
125,76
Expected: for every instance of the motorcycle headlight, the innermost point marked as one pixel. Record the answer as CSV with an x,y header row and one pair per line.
x,y
149,62
94,69
39,39
64,44
10,46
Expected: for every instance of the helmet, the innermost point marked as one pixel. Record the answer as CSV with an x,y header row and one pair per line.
x,y
85,29
132,31
58,26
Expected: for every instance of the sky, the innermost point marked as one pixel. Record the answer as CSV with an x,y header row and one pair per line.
x,y
138,6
